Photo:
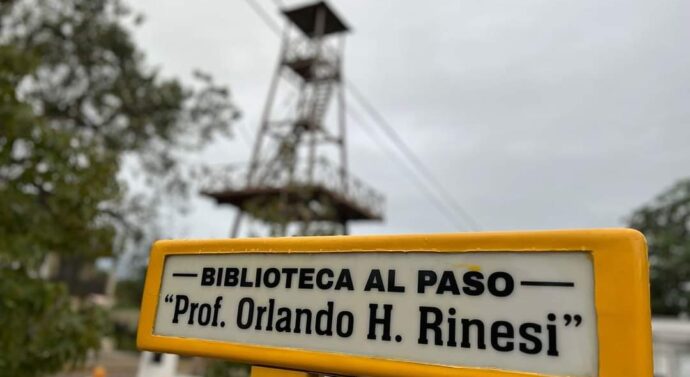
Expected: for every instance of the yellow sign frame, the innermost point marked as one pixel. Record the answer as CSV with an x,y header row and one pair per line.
x,y
621,295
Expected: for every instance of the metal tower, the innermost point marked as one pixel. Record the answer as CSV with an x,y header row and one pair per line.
x,y
290,185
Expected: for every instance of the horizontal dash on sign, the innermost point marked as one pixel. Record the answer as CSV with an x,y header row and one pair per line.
x,y
530,283
185,274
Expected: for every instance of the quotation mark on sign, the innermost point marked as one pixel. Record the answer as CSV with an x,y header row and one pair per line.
x,y
568,319
169,298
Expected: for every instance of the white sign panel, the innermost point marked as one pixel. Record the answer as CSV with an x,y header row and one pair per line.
x,y
529,312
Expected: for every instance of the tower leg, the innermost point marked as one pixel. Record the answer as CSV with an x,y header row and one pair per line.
x,y
236,224
263,128
341,126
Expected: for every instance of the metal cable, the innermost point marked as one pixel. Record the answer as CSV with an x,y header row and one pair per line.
x,y
410,155
421,184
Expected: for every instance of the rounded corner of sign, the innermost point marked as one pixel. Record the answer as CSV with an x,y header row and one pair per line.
x,y
636,237
148,341
159,247
141,344
144,340
630,242
628,234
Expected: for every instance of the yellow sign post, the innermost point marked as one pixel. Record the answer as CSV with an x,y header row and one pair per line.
x,y
508,304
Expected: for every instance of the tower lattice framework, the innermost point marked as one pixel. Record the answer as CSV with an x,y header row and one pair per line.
x,y
298,181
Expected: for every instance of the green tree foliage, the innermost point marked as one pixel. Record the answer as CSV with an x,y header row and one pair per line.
x,y
666,224
42,328
76,102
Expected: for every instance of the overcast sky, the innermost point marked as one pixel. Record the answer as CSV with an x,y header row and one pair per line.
x,y
533,114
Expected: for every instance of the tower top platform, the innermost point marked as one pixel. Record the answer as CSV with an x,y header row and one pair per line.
x,y
306,19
